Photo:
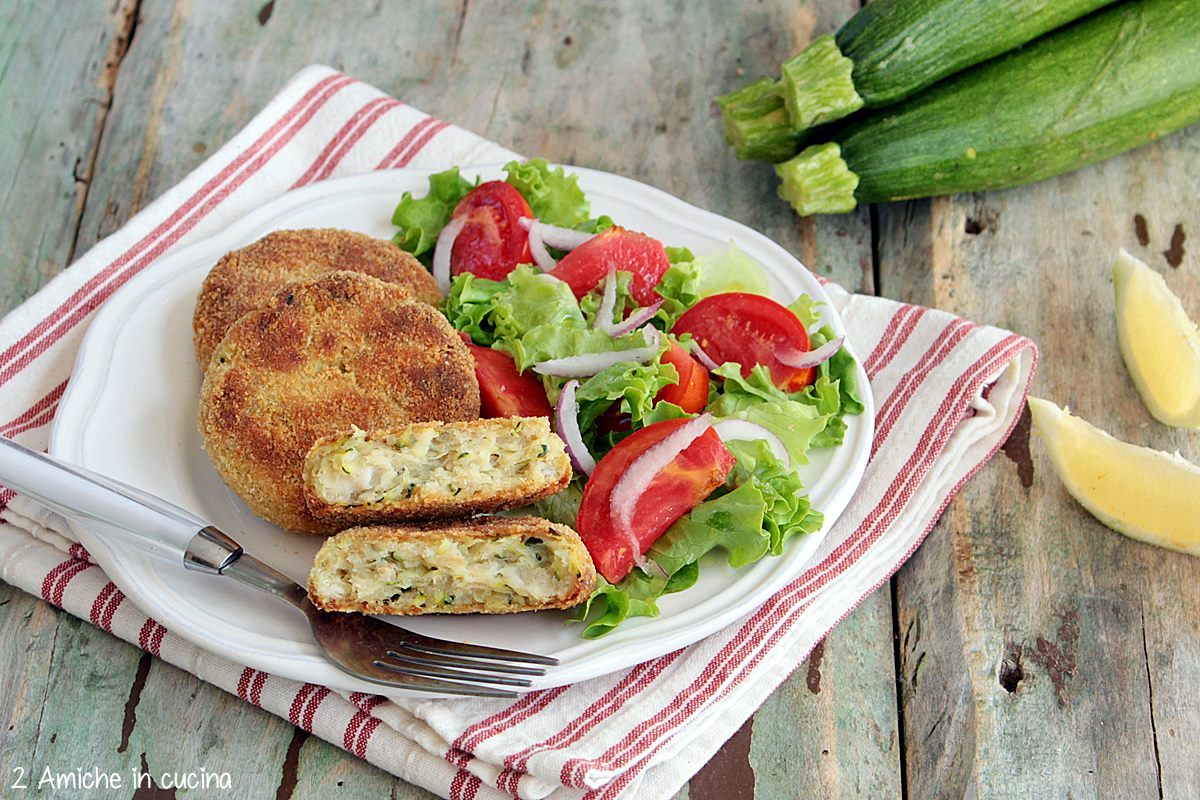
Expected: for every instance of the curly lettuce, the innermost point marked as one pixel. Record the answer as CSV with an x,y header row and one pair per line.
x,y
760,508
552,194
421,219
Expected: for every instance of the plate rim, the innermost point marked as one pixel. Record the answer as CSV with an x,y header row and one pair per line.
x,y
66,439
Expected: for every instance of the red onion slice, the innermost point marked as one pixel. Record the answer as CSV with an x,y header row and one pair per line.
x,y
811,358
703,357
563,238
588,364
632,485
608,303
635,320
441,253
538,247
566,423
734,429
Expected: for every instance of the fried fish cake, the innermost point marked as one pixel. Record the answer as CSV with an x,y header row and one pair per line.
x,y
486,565
244,280
343,350
433,470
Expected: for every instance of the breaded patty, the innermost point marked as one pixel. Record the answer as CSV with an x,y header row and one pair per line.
x,y
243,280
488,565
343,350
432,470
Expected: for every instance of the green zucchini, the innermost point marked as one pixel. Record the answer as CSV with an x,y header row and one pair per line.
x,y
1103,85
888,51
757,124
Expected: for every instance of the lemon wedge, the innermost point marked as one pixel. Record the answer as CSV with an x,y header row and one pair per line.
x,y
1145,494
1159,342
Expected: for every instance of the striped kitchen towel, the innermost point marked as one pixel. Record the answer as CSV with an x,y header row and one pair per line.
x,y
948,393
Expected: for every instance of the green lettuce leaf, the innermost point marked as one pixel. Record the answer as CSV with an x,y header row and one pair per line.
x,y
590,302
468,306
421,219
736,393
834,392
733,522
609,605
559,340
633,385
796,424
531,301
805,308
679,288
554,196
678,255
635,596
598,225
562,507
731,270
762,506
787,511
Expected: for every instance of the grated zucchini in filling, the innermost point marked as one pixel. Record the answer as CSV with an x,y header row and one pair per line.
x,y
446,574
437,462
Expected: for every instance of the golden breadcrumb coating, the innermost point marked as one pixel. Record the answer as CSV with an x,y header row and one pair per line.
x,y
243,280
343,350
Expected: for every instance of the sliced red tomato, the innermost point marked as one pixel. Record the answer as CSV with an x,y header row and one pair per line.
x,y
492,242
749,329
691,392
585,267
504,392
681,485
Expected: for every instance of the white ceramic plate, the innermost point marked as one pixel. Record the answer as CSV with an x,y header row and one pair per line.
x,y
130,412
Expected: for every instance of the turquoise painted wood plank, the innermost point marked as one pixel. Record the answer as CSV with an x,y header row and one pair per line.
x,y
57,64
1040,652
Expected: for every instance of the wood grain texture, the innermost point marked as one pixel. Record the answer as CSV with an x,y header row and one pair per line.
x,y
57,64
1040,652
833,724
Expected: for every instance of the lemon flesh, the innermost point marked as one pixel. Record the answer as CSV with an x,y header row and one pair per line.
x,y
1159,342
1145,494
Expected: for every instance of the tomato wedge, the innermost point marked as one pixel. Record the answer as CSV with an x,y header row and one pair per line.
x,y
585,267
670,494
492,242
749,329
504,392
691,392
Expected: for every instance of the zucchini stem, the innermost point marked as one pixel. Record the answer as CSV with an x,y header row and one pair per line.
x,y
817,86
818,181
757,123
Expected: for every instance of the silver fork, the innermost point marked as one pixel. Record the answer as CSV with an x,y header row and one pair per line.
x,y
365,647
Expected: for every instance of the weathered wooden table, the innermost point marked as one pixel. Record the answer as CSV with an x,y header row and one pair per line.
x,y
1024,651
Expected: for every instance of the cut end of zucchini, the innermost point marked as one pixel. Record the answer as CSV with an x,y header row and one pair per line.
x,y
757,123
818,181
816,85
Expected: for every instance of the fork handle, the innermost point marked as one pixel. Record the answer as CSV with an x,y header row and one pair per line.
x,y
136,518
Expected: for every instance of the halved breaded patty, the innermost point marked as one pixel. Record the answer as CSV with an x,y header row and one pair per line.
x,y
244,280
343,350
431,470
488,565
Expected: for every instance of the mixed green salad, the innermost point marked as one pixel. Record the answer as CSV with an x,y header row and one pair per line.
x,y
686,397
